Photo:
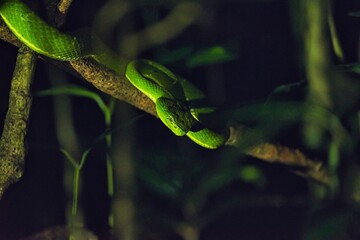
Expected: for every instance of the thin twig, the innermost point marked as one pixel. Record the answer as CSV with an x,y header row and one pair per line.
x,y
63,6
62,10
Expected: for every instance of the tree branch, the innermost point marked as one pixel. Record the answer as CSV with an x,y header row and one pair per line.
x,y
117,86
12,143
99,76
276,153
7,35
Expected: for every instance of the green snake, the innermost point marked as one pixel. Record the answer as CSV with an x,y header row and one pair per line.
x,y
178,102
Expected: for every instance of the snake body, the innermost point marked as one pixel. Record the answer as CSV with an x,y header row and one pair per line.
x,y
175,98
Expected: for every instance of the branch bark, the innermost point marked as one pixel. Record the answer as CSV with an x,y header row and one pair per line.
x,y
12,142
117,86
279,154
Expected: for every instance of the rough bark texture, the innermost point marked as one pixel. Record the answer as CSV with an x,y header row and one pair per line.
x,y
12,143
117,86
113,84
276,153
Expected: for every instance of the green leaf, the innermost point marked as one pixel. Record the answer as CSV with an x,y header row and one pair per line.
x,y
285,88
75,91
69,158
220,178
251,174
158,182
350,67
330,226
273,112
212,55
178,54
74,163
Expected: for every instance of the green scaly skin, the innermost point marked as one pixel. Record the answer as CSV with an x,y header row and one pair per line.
x,y
173,96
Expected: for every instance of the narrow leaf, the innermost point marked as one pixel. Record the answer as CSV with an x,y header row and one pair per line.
x,y
212,55
75,91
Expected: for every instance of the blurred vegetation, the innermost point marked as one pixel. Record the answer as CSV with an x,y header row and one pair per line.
x,y
99,169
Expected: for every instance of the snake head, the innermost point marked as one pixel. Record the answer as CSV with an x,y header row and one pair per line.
x,y
175,115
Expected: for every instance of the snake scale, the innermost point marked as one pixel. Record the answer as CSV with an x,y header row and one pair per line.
x,y
175,98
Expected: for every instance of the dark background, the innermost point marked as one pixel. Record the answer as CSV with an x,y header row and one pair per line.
x,y
260,34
